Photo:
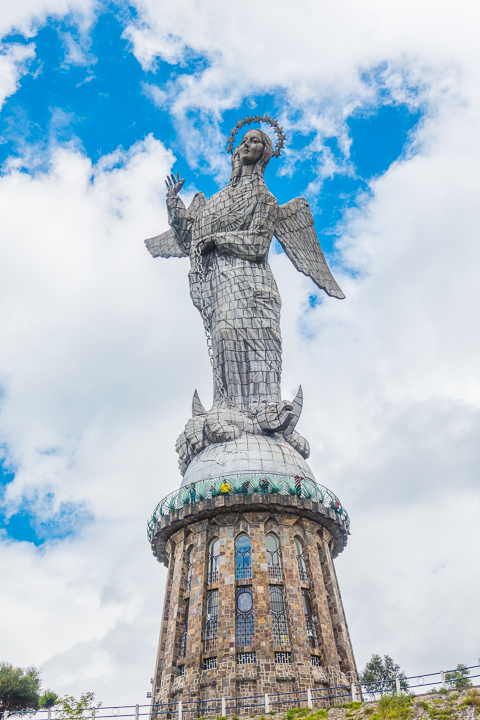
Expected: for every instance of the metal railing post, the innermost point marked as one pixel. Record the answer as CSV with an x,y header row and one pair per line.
x,y
179,710
49,713
93,713
354,692
137,712
224,707
397,686
444,683
309,699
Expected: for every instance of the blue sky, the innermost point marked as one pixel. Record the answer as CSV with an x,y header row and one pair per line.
x,y
102,349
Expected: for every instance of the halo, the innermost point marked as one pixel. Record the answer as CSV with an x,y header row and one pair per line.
x,y
257,119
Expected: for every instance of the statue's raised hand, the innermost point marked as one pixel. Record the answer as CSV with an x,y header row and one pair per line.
x,y
174,184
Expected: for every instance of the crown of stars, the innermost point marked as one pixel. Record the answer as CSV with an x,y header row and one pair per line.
x,y
259,119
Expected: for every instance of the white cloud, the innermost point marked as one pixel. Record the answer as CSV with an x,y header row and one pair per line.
x,y
13,64
26,16
89,411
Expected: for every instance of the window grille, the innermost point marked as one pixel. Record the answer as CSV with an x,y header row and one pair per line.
x,y
211,623
243,557
302,567
245,621
210,663
279,615
316,661
213,555
307,609
181,669
283,658
273,557
247,658
183,646
189,570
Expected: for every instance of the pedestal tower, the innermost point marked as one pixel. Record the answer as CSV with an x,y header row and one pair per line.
x,y
252,604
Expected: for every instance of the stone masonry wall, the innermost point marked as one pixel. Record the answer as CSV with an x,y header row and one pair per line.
x,y
330,663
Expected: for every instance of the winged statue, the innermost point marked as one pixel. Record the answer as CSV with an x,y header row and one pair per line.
x,y
227,239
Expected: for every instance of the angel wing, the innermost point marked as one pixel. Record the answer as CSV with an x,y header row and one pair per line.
x,y
296,234
167,244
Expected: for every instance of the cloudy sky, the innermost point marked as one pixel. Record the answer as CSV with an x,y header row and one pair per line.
x,y
101,349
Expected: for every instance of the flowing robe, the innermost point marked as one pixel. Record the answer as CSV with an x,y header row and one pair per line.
x,y
240,297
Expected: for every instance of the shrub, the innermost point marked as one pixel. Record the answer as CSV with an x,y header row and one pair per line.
x,y
472,699
47,700
459,677
395,706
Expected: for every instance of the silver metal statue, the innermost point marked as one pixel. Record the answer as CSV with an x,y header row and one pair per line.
x,y
231,284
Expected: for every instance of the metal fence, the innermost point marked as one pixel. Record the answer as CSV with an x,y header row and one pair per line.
x,y
248,484
315,698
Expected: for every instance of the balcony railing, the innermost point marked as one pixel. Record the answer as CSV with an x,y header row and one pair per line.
x,y
247,485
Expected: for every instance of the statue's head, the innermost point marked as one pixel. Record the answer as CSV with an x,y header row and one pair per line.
x,y
255,149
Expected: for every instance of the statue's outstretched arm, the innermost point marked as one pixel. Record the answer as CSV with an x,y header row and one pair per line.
x,y
176,241
296,234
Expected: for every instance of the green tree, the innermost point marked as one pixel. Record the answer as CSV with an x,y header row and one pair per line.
x,y
72,709
47,700
459,678
383,672
19,688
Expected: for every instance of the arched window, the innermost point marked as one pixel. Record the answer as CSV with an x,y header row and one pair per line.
x,y
213,555
302,567
183,644
243,557
211,624
307,609
273,557
279,615
245,621
189,569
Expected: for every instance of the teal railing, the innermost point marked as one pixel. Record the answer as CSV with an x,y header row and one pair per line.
x,y
247,484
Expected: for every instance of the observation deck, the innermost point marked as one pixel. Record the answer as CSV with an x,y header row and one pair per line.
x,y
247,492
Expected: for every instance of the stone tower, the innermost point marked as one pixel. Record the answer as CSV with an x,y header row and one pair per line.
x,y
252,603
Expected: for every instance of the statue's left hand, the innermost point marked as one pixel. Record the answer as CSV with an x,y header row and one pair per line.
x,y
174,184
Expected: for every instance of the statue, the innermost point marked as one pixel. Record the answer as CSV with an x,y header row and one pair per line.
x,y
227,239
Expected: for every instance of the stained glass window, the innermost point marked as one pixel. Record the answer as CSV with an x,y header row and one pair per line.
x,y
245,621
211,623
273,557
243,557
279,615
307,609
302,567
189,569
183,646
213,555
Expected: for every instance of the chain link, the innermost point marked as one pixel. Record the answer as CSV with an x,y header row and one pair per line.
x,y
199,270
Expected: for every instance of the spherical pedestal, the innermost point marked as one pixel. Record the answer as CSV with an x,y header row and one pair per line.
x,y
269,454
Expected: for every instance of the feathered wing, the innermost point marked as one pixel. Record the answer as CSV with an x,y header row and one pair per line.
x,y
295,232
167,245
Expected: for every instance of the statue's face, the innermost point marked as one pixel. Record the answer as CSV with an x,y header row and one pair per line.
x,y
251,147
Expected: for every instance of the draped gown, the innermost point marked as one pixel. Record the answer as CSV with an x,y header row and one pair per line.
x,y
240,297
